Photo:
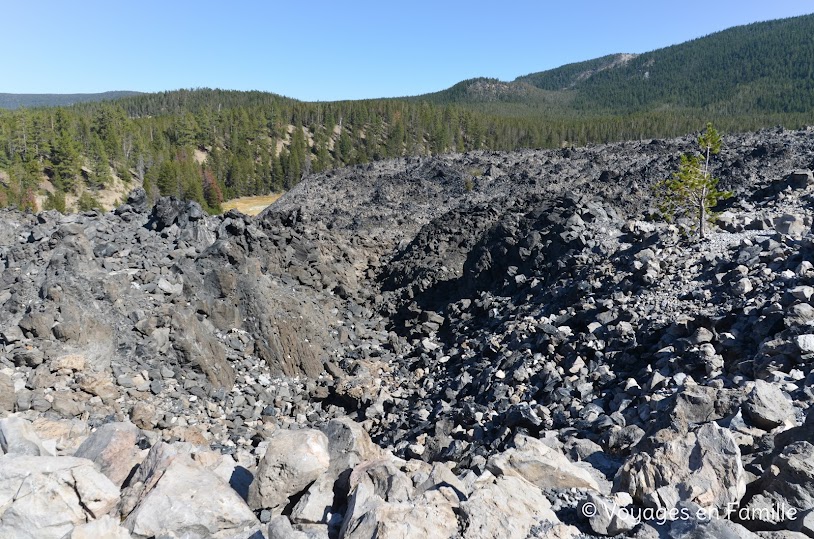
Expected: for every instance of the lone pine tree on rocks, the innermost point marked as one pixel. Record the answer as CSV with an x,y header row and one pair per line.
x,y
693,191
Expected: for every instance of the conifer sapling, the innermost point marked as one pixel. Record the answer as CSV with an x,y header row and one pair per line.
x,y
693,191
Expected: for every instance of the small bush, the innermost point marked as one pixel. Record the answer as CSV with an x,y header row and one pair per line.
x,y
87,202
55,201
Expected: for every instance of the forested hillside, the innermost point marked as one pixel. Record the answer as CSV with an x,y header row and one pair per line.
x,y
211,145
743,78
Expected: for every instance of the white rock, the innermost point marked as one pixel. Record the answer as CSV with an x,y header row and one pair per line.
x,y
103,528
742,286
187,496
293,460
369,516
509,507
802,293
18,437
805,343
540,465
46,497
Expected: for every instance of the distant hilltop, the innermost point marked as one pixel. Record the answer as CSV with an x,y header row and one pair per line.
x,y
16,101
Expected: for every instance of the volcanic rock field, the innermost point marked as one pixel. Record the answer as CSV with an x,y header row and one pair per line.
x,y
481,345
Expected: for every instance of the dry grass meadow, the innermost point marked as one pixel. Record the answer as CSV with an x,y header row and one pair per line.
x,y
250,205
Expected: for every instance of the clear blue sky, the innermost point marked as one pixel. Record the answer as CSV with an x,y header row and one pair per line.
x,y
340,49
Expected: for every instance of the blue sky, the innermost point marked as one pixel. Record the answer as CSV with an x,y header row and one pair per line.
x,y
327,50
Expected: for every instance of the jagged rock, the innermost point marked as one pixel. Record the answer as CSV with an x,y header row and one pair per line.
x,y
695,522
788,484
45,497
280,528
508,506
348,445
18,437
695,405
316,504
743,286
791,225
384,479
369,517
199,348
703,467
801,179
293,460
102,528
67,404
74,362
98,384
112,447
7,397
439,476
767,407
188,498
606,518
540,465
143,415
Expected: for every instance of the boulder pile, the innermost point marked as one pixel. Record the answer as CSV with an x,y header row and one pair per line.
x,y
483,345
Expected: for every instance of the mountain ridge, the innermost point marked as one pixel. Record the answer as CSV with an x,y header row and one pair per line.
x,y
758,67
14,101
592,78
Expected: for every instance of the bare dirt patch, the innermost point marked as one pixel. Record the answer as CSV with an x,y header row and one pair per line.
x,y
250,205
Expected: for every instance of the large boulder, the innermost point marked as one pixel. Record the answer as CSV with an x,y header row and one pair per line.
x,y
102,528
788,484
606,517
384,479
45,497
348,445
172,495
197,345
767,407
290,329
703,466
509,507
541,465
696,405
113,448
294,459
695,522
18,437
370,517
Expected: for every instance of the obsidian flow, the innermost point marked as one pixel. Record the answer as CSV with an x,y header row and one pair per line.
x,y
473,345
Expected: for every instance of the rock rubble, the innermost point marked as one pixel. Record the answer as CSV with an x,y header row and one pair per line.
x,y
478,345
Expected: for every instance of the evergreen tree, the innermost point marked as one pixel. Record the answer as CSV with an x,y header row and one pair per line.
x,y
55,201
66,161
212,192
692,190
87,202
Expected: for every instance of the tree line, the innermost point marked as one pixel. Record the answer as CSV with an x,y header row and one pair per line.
x,y
209,145
214,145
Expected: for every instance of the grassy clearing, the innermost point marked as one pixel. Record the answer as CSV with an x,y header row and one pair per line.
x,y
250,205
